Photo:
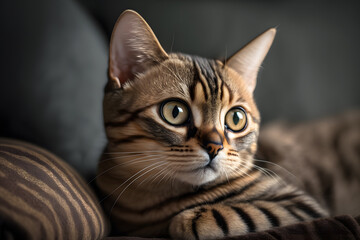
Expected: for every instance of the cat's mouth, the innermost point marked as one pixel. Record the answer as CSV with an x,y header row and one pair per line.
x,y
210,165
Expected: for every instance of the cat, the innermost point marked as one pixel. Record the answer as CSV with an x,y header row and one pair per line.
x,y
182,133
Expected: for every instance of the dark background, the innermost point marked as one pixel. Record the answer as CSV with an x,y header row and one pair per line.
x,y
54,61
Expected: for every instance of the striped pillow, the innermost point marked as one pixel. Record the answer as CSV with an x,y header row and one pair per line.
x,y
42,197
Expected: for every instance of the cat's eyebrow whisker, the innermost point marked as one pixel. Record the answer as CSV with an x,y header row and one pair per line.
x,y
135,161
117,199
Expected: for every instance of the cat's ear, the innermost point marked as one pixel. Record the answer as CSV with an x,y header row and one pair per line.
x,y
247,60
133,49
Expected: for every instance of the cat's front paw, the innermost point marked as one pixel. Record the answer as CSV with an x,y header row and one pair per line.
x,y
205,222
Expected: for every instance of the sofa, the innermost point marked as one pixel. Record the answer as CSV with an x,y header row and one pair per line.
x,y
54,61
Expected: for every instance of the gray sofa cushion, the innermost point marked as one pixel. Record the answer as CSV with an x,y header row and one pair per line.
x,y
53,70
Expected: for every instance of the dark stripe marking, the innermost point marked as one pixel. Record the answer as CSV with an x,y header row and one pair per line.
x,y
199,192
160,133
308,210
128,139
273,219
231,94
289,196
198,79
194,220
294,214
133,115
222,90
214,77
220,221
206,70
246,218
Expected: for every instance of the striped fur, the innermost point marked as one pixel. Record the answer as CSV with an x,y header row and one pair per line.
x,y
323,155
196,180
41,197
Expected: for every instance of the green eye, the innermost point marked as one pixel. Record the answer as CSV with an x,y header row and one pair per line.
x,y
235,119
174,112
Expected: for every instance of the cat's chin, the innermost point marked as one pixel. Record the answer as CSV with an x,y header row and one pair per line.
x,y
200,176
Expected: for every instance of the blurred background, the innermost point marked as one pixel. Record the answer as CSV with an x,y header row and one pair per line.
x,y
54,61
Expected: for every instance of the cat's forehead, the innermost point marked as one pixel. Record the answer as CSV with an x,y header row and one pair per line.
x,y
210,81
198,81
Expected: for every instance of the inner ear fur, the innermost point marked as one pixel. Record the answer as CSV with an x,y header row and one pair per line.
x,y
133,49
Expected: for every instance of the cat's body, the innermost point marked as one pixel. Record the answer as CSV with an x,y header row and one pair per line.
x,y
182,133
229,208
321,157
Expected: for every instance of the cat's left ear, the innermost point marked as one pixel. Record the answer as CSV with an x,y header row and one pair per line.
x,y
246,62
133,49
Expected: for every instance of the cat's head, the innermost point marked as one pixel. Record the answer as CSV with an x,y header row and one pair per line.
x,y
180,116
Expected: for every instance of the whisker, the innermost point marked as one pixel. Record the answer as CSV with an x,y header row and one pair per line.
x,y
150,177
270,174
227,177
238,168
138,152
126,163
126,156
117,199
127,181
168,175
159,174
277,165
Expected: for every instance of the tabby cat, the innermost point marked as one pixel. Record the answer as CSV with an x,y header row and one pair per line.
x,y
182,132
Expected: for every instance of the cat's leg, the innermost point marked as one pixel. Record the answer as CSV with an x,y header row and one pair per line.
x,y
237,218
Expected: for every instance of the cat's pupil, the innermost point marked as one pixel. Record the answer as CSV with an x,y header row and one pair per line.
x,y
175,111
236,118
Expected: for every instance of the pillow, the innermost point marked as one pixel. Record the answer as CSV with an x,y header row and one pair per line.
x,y
53,71
42,197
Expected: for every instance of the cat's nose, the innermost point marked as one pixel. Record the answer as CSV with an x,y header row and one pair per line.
x,y
212,142
213,149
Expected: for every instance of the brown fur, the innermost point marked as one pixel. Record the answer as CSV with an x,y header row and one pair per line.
x,y
323,157
158,179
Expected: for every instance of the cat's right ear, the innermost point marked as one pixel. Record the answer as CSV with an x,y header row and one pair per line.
x,y
247,60
133,49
